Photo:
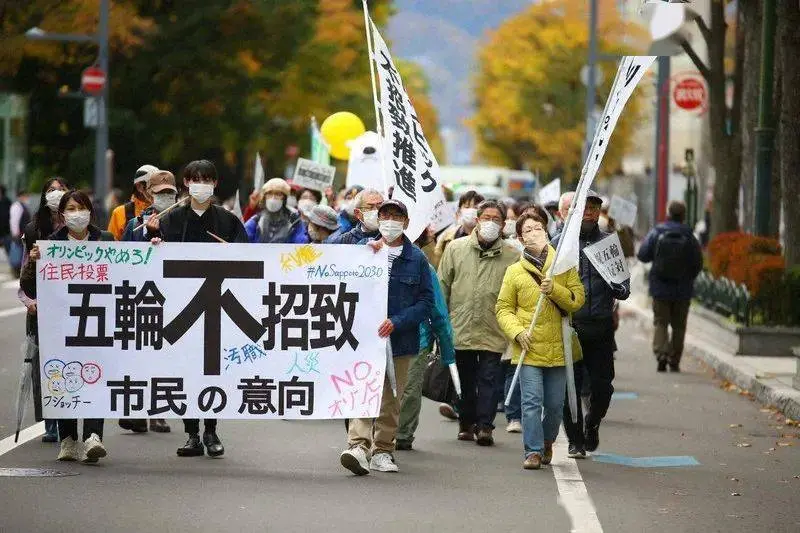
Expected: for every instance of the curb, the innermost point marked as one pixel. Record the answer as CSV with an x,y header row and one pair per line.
x,y
768,392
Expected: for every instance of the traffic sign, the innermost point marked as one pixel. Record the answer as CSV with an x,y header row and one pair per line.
x,y
93,112
690,94
93,80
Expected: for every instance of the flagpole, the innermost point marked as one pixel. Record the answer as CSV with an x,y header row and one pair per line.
x,y
378,124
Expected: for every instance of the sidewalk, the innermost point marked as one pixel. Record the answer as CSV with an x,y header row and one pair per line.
x,y
768,379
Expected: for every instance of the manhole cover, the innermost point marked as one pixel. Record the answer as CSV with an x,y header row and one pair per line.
x,y
33,472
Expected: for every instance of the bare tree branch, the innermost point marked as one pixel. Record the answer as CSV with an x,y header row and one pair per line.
x,y
705,31
704,70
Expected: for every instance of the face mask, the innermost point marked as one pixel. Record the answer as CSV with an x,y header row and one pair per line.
x,y
468,216
535,240
53,198
291,201
489,231
510,228
587,226
77,221
390,229
370,220
201,192
305,205
273,205
162,201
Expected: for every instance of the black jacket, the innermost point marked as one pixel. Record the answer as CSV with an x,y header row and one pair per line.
x,y
182,224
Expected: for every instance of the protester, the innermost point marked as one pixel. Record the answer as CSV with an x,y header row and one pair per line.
x,y
75,209
19,216
307,199
347,205
542,377
276,223
410,301
200,221
471,273
366,204
466,219
45,222
5,216
133,208
677,260
322,222
595,326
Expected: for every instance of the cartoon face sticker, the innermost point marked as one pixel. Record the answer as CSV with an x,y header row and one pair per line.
x,y
73,383
91,373
54,368
57,385
72,369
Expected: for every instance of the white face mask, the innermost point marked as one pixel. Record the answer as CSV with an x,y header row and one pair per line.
x,y
77,221
53,198
291,201
201,192
161,201
305,205
273,205
510,228
468,216
390,229
489,231
370,220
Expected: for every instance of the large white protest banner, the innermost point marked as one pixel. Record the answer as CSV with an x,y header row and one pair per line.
x,y
607,257
622,211
408,161
311,175
176,330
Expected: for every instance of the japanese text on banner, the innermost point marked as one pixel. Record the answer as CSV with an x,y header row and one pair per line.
x,y
607,257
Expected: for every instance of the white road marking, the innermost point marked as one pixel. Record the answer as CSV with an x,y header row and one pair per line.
x,y
27,434
573,496
13,311
11,284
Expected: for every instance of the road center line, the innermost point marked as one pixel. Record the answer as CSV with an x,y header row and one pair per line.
x,y
27,434
573,496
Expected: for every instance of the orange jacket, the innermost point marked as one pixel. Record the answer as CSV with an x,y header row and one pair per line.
x,y
117,222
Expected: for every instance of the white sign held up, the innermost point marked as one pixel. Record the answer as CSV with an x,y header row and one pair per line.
x,y
623,211
311,175
445,217
608,259
550,192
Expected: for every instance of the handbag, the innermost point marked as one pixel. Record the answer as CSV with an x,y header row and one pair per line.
x,y
436,382
15,254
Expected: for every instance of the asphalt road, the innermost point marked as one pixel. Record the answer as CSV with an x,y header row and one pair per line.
x,y
285,476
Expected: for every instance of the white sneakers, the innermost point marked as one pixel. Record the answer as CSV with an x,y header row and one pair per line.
x,y
383,462
93,450
515,426
355,460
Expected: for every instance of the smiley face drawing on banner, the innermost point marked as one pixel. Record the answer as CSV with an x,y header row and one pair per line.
x,y
70,377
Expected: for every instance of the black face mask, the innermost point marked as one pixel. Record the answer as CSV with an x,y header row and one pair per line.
x,y
587,226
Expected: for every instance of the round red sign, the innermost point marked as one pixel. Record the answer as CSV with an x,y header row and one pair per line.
x,y
93,80
690,94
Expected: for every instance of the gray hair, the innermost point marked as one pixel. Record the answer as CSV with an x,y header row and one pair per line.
x,y
366,192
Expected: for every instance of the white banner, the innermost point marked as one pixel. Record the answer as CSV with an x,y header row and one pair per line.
x,y
550,192
257,331
311,175
622,211
607,258
630,72
258,174
409,164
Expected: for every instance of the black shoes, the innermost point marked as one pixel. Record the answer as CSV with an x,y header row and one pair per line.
x,y
403,445
662,366
674,367
192,448
213,444
136,425
576,452
592,438
159,425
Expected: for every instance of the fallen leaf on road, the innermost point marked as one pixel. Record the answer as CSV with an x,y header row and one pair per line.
x,y
679,493
772,449
790,422
735,426
735,494
765,410
744,445
734,479
785,443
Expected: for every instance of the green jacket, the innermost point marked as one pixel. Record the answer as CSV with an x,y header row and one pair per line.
x,y
471,279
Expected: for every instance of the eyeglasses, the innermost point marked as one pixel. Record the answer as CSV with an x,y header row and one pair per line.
x,y
390,215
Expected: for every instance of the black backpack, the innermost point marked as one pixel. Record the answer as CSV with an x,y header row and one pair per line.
x,y
672,257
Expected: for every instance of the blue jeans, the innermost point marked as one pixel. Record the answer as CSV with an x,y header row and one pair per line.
x,y
543,390
514,408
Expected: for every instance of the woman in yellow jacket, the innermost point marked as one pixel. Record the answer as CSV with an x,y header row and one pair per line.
x,y
543,376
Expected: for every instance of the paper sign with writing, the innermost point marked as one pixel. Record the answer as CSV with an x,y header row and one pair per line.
x,y
445,217
311,175
550,192
608,259
623,211
179,330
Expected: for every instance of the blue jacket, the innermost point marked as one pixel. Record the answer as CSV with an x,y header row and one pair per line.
x,y
667,289
356,235
345,224
138,235
410,298
438,325
294,233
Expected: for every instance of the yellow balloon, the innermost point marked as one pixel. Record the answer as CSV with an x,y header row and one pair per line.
x,y
340,128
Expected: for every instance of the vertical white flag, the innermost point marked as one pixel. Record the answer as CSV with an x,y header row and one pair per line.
x,y
408,161
258,174
630,72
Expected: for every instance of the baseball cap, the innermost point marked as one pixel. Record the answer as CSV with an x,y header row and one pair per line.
x,y
143,173
161,180
396,203
594,198
324,216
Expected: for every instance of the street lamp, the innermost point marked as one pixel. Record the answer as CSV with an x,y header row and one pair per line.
x,y
101,132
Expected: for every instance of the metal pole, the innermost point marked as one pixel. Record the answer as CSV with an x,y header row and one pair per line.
x,y
101,144
591,85
765,133
662,141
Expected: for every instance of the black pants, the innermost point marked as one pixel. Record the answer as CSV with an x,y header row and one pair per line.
x,y
68,427
192,425
479,372
597,344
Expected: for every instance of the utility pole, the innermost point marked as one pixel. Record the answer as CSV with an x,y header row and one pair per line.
x,y
661,190
765,133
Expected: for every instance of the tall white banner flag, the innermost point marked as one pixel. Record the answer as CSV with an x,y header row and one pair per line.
x,y
258,174
408,161
630,72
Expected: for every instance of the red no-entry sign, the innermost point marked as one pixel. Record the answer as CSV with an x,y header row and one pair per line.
x,y
690,94
93,80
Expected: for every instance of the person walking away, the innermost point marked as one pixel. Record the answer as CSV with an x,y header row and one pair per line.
x,y
543,375
594,323
677,260
276,223
75,209
139,201
322,222
471,273
410,300
19,216
366,204
193,223
45,222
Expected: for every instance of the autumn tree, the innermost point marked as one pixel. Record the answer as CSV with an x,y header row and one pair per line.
x,y
529,97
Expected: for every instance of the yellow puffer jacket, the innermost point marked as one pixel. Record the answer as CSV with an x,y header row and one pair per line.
x,y
516,305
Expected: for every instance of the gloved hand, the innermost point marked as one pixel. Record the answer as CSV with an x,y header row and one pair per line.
x,y
620,291
524,340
